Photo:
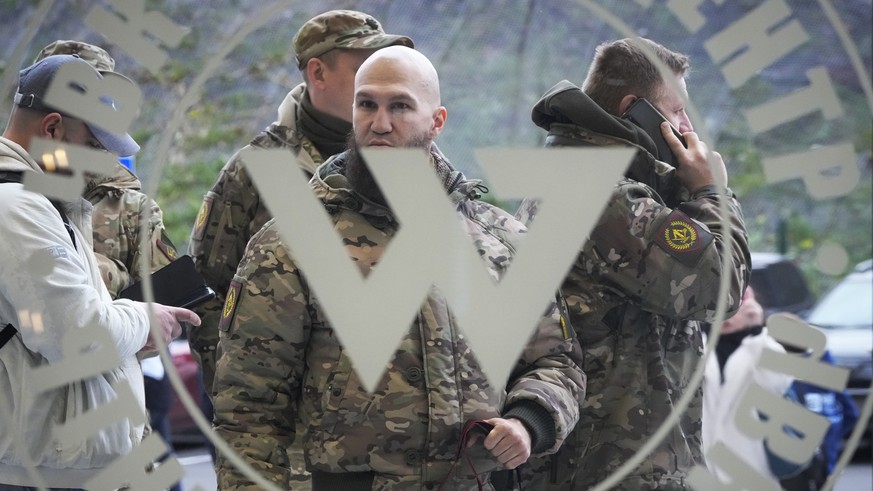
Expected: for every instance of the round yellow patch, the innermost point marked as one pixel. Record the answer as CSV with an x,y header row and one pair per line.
x,y
680,235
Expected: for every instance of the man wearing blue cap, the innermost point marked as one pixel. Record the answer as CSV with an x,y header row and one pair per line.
x,y
56,315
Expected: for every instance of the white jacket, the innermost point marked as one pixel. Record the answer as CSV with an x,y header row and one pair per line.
x,y
47,283
721,401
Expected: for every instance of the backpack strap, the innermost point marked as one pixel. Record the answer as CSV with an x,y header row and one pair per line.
x,y
6,334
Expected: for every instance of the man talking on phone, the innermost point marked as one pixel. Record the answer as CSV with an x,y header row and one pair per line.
x,y
648,274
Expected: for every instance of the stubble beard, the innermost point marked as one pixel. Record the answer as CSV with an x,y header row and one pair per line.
x,y
360,178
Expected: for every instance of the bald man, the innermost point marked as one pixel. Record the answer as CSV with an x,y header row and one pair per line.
x,y
281,357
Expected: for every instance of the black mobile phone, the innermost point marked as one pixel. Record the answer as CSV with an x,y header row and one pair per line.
x,y
644,115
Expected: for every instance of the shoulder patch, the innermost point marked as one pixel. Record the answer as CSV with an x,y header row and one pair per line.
x,y
164,244
682,237
231,302
202,218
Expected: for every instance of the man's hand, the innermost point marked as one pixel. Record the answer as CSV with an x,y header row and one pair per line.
x,y
169,325
508,441
698,167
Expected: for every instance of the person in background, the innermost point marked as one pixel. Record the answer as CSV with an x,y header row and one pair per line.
x,y
733,366
842,412
647,276
119,206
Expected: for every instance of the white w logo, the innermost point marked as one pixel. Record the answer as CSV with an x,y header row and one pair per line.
x,y
432,249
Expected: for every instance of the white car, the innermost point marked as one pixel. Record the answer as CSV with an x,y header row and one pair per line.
x,y
845,314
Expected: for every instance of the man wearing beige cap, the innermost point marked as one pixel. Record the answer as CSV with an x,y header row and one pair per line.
x,y
313,123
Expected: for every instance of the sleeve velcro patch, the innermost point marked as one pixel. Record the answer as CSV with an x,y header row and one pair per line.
x,y
683,238
231,302
202,217
166,246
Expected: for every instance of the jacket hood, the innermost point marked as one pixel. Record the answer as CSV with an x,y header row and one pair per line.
x,y
332,186
566,103
289,107
573,118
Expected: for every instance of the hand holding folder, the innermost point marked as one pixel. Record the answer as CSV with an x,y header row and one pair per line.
x,y
177,284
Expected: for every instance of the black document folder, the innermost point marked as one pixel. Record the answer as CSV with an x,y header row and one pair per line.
x,y
177,284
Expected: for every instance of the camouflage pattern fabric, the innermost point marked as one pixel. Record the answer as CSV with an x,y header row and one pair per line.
x,y
119,205
344,29
282,362
232,211
646,277
95,55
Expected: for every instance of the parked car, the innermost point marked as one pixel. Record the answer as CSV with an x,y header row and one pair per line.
x,y
183,430
779,284
845,314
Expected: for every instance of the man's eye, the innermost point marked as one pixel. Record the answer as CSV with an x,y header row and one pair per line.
x,y
366,104
400,106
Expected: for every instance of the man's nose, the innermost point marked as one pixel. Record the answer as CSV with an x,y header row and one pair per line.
x,y
381,121
685,124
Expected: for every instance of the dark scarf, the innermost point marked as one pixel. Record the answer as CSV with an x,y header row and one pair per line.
x,y
327,132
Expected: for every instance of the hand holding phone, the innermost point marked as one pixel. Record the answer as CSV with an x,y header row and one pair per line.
x,y
644,115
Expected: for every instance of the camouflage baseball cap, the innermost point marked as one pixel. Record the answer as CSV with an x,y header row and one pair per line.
x,y
95,55
342,29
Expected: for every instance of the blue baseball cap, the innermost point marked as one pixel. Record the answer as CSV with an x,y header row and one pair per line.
x,y
34,81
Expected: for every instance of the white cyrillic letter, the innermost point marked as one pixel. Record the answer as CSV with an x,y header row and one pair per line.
x,y
65,94
820,94
789,429
131,470
828,172
688,13
727,463
804,366
54,156
88,351
763,48
124,407
126,29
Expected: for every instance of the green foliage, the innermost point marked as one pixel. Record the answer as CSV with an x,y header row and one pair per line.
x,y
181,194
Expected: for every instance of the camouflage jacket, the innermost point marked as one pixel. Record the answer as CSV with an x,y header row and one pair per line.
x,y
232,211
648,274
118,207
281,360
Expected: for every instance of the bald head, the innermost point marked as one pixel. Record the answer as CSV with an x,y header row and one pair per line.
x,y
402,65
397,100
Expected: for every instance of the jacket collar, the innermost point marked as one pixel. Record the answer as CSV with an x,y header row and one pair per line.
x,y
573,118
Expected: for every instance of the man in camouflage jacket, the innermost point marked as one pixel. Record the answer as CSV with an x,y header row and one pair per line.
x,y
314,122
648,274
281,359
119,203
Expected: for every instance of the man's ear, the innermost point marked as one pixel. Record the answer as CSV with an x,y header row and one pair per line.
x,y
625,103
315,71
52,126
439,120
